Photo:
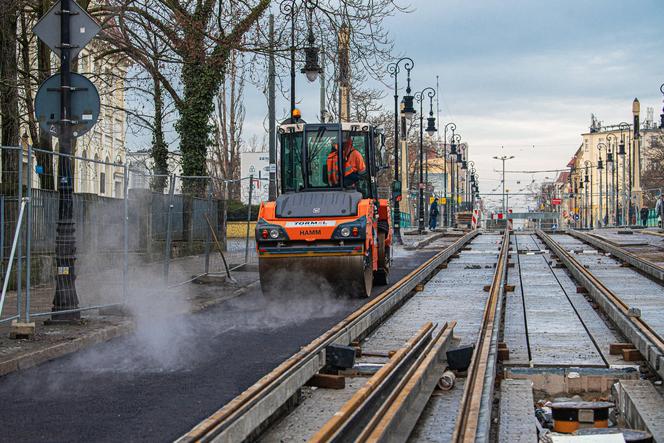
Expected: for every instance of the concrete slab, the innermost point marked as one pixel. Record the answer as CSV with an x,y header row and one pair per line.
x,y
642,407
517,415
556,333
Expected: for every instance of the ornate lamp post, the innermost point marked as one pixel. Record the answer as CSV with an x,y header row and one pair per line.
x,y
311,67
661,116
464,167
621,151
471,184
600,167
446,207
503,159
431,130
393,69
456,160
612,157
589,216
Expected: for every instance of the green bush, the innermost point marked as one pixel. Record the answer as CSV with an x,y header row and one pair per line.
x,y
237,211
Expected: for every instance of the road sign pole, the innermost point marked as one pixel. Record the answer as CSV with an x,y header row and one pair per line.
x,y
65,298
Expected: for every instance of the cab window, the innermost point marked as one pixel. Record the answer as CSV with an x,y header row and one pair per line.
x,y
322,146
360,143
291,153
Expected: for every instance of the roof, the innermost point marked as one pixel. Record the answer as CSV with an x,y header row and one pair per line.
x,y
562,177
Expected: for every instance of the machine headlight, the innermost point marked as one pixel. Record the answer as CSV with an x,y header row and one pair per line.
x,y
345,232
274,233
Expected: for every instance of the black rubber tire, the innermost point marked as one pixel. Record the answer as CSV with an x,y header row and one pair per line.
x,y
381,276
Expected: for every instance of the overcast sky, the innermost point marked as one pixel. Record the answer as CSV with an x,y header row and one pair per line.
x,y
522,73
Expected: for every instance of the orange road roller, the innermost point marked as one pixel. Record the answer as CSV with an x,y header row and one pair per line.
x,y
327,225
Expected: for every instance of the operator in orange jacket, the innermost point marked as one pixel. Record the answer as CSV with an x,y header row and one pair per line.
x,y
354,165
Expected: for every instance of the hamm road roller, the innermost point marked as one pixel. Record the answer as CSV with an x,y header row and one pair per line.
x,y
328,222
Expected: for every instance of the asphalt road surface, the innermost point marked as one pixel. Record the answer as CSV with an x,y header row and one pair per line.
x,y
159,382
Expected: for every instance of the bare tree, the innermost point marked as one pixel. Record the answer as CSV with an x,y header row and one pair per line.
x,y
653,172
200,37
229,117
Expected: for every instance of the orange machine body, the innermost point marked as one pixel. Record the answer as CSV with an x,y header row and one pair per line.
x,y
315,237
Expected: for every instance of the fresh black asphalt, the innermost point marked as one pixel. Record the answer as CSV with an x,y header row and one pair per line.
x,y
158,383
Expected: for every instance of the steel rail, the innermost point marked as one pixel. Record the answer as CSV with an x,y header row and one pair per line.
x,y
646,266
357,413
397,419
648,341
471,423
243,416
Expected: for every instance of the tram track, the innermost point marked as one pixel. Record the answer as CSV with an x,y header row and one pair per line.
x,y
249,413
646,338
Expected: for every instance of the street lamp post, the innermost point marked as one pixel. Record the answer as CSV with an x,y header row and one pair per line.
x,y
311,68
584,207
503,159
661,116
454,156
612,157
446,208
623,126
464,167
634,163
600,167
408,111
589,202
431,129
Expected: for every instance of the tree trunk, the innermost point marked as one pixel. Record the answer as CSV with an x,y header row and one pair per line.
x,y
159,148
9,96
47,179
200,85
10,118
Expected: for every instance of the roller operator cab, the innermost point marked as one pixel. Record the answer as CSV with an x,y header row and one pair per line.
x,y
328,228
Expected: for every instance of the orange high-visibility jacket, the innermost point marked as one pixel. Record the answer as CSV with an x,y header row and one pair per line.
x,y
353,163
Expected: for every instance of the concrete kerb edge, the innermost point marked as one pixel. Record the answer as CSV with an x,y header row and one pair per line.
x,y
645,266
40,356
427,241
58,350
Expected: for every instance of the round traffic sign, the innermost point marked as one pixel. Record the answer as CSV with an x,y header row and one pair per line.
x,y
85,105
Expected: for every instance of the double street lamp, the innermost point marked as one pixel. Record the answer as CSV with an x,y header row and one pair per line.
x,y
311,66
408,112
431,130
503,159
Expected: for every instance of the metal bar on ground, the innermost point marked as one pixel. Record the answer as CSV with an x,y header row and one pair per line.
x,y
357,412
400,416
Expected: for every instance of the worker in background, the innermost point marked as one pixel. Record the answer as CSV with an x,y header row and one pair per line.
x,y
433,214
354,166
644,215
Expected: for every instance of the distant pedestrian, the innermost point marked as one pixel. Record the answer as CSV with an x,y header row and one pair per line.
x,y
645,211
433,214
659,209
